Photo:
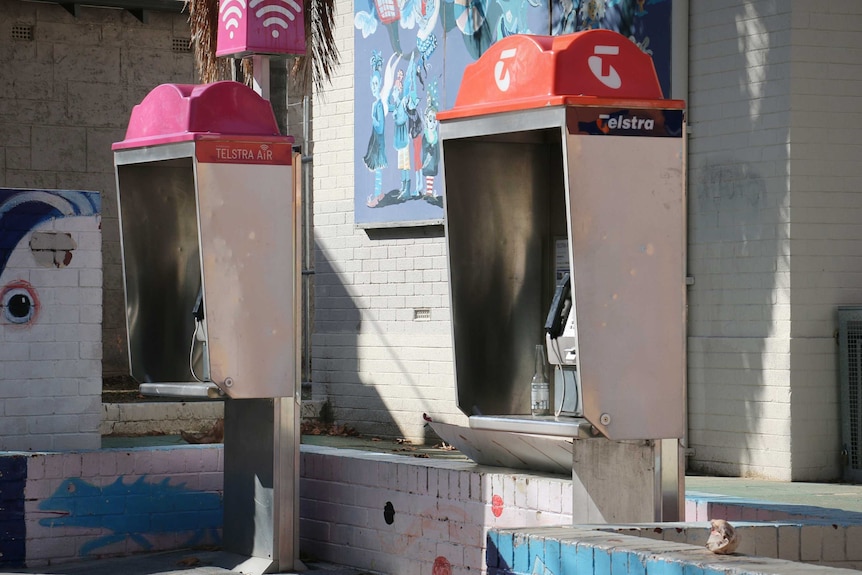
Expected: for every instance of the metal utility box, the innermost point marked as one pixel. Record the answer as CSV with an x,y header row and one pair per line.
x,y
561,156
209,231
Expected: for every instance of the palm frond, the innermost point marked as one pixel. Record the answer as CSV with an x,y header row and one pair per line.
x,y
315,68
203,23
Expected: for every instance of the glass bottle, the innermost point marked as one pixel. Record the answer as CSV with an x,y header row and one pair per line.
x,y
540,395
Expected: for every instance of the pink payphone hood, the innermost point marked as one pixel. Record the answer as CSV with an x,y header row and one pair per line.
x,y
183,112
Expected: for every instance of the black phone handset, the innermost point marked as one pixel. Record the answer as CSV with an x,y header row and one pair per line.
x,y
198,310
199,335
560,307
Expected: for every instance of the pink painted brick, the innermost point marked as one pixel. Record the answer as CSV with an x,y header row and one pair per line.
x,y
811,543
854,533
35,467
766,541
72,465
834,544
51,548
125,462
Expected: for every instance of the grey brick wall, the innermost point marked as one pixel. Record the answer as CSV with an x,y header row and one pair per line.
x,y
68,86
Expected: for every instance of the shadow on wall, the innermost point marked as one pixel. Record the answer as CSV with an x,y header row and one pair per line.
x,y
364,359
739,226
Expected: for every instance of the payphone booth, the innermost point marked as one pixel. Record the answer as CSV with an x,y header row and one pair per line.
x,y
209,232
565,227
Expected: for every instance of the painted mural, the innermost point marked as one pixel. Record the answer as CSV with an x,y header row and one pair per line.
x,y
410,56
33,234
135,511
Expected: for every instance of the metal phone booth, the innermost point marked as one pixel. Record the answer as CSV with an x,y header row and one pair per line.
x,y
565,227
209,221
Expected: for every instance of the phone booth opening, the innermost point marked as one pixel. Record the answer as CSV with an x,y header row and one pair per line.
x,y
208,221
565,228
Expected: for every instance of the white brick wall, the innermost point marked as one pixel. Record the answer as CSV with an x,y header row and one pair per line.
x,y
739,246
774,231
51,378
170,418
827,176
378,366
394,515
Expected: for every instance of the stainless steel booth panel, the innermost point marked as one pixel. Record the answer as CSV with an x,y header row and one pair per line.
x,y
628,243
162,266
504,206
249,220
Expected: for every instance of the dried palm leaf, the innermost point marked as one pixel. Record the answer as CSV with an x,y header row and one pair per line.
x,y
315,68
203,23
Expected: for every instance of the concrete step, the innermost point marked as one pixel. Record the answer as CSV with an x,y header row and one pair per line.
x,y
159,417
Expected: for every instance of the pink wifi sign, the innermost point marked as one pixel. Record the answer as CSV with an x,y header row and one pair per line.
x,y
249,27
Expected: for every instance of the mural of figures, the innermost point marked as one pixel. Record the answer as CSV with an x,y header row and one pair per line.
x,y
375,156
410,58
645,22
403,77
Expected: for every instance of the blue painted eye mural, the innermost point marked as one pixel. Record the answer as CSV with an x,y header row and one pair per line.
x,y
26,234
410,56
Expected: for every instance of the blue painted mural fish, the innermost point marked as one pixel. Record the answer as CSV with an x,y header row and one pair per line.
x,y
134,511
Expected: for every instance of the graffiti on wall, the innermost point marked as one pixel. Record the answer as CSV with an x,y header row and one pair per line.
x,y
31,237
410,56
134,511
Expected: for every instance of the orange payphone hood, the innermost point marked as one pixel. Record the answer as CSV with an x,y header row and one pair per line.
x,y
594,67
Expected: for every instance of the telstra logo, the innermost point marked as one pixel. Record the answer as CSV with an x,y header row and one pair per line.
x,y
607,122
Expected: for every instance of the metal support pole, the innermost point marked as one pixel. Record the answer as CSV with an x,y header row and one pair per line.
x,y
261,449
261,475
626,481
260,75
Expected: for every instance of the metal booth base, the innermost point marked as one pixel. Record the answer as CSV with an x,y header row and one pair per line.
x,y
261,483
638,481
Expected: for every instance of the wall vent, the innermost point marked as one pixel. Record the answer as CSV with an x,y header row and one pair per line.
x,y
22,32
181,45
421,314
850,398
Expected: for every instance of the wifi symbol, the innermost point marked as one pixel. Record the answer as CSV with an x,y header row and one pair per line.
x,y
276,14
231,14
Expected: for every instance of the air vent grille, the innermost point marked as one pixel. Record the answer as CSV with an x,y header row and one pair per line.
x,y
181,45
850,375
22,32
